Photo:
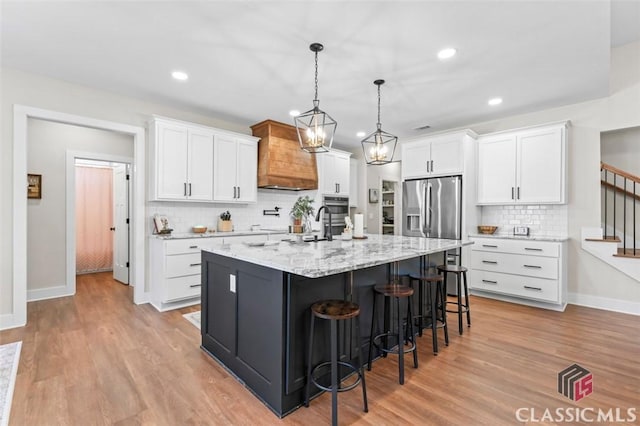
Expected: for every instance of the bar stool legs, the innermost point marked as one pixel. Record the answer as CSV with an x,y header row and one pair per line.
x,y
334,311
432,285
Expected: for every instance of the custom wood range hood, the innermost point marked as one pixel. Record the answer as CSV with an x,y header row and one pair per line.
x,y
281,162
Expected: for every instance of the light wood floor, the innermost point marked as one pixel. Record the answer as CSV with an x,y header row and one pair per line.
x,y
96,359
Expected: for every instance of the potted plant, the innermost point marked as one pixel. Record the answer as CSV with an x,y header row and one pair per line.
x,y
224,222
300,212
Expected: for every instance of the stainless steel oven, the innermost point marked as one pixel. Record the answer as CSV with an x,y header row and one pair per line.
x,y
339,207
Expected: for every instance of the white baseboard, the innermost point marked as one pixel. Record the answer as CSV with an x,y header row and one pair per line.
x,y
48,293
608,304
8,321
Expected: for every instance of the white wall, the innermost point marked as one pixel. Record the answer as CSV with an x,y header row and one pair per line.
x,y
621,149
46,155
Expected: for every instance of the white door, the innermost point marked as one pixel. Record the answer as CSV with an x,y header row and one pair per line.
x,y
172,162
341,168
540,167
225,169
414,160
497,170
247,171
120,224
200,181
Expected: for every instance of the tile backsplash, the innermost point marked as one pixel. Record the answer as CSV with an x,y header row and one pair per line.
x,y
542,220
182,215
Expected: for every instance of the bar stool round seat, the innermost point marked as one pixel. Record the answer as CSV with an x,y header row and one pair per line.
x,y
334,311
461,282
436,299
397,292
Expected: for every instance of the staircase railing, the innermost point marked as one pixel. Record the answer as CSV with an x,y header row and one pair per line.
x,y
624,187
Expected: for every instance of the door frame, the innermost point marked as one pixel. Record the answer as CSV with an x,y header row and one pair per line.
x,y
72,156
21,114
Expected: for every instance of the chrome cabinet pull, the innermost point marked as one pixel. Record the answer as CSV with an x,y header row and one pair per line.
x,y
489,246
184,189
533,249
238,192
532,288
512,192
533,266
234,193
518,192
195,285
193,247
195,264
490,282
431,166
189,190
491,262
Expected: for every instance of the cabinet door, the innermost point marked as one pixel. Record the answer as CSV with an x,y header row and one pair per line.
x,y
200,168
415,158
171,162
224,168
447,157
247,178
327,183
341,168
496,170
541,167
353,182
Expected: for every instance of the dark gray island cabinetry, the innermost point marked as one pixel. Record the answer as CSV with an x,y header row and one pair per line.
x,y
255,304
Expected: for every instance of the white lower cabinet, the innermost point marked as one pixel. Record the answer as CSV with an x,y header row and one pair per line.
x,y
528,272
176,271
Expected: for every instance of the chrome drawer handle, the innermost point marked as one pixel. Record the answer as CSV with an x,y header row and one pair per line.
x,y
195,285
533,249
195,264
533,266
532,288
490,282
193,247
489,246
491,262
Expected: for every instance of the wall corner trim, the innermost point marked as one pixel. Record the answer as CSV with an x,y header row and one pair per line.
x,y
605,303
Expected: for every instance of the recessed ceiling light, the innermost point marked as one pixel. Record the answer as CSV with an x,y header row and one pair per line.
x,y
447,53
495,101
294,113
180,75
361,134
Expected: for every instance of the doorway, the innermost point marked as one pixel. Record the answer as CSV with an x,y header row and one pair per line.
x,y
102,218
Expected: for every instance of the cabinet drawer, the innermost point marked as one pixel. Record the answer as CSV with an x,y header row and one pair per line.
x,y
180,265
533,266
520,286
245,238
181,288
534,248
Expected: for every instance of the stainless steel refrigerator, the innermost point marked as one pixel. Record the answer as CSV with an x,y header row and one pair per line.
x,y
432,208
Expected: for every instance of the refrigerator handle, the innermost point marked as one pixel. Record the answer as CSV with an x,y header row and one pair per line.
x,y
428,210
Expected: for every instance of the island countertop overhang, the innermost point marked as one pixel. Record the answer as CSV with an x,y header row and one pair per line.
x,y
323,258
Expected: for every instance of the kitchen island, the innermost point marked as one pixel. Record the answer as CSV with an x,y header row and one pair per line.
x,y
256,299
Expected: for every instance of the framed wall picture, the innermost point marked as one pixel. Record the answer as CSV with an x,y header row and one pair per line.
x,y
373,195
34,186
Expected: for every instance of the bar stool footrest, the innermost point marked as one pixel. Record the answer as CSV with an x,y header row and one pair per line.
x,y
377,345
340,389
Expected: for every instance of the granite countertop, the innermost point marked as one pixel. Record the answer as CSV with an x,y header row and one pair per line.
x,y
181,236
318,259
556,239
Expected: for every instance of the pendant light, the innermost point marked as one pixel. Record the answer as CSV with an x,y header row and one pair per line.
x,y
379,146
315,127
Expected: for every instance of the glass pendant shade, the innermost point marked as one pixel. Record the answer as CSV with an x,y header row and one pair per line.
x,y
379,146
315,128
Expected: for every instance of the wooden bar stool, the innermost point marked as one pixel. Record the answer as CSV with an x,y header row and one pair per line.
x,y
431,285
334,311
397,292
461,280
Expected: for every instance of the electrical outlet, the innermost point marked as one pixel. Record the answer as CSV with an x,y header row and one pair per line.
x,y
521,230
232,283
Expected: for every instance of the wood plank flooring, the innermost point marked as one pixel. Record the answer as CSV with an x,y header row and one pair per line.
x,y
97,359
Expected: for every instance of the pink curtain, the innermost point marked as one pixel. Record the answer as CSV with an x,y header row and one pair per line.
x,y
94,218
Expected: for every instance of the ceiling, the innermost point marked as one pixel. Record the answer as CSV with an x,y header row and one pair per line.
x,y
250,60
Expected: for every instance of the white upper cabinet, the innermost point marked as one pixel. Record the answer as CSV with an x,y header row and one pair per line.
x,y
333,172
435,156
235,169
181,162
190,162
525,166
353,182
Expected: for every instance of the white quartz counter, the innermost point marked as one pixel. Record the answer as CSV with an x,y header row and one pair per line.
x,y
557,239
182,236
318,259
